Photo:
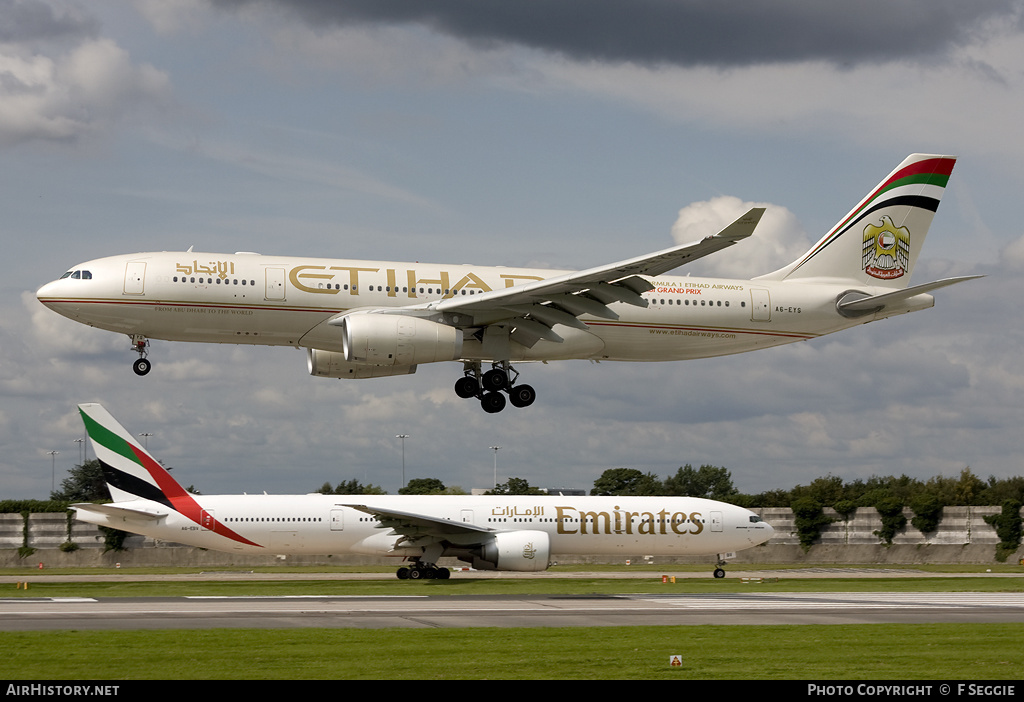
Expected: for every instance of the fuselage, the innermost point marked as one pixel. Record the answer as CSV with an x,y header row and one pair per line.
x,y
325,525
271,300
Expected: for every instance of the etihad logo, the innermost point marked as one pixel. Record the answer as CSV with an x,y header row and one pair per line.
x,y
886,250
332,280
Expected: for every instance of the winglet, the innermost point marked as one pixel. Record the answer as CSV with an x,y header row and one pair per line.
x,y
742,227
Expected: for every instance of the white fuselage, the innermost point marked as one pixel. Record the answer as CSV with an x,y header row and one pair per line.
x,y
323,525
272,300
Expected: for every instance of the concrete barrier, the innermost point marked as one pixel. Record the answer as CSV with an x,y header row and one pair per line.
x,y
959,526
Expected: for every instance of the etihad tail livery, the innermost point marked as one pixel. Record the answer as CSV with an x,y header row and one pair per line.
x,y
490,532
367,319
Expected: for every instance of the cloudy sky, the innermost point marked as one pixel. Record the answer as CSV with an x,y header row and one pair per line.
x,y
565,133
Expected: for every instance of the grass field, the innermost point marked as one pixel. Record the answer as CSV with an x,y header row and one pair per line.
x,y
784,652
794,652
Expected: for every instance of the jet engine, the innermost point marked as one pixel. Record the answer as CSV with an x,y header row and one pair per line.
x,y
514,550
397,340
331,364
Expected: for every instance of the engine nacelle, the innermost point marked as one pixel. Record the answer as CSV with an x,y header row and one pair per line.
x,y
398,340
331,364
525,550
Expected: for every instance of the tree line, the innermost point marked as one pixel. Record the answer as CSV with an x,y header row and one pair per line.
x,y
85,483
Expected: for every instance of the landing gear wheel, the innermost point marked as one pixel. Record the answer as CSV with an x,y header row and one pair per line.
x,y
403,573
415,574
141,366
719,573
493,402
467,387
522,395
494,380
443,574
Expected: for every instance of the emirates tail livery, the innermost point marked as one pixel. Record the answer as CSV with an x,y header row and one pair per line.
x,y
517,533
367,319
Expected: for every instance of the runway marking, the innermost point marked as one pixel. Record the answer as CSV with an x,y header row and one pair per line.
x,y
911,600
303,597
58,600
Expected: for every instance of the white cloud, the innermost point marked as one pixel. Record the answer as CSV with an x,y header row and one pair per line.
x,y
777,240
71,94
1013,255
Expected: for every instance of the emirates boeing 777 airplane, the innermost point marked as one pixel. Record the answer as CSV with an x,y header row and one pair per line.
x,y
367,319
491,532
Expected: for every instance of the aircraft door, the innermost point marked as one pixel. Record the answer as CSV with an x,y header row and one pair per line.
x,y
275,284
467,516
761,305
716,521
337,520
206,519
135,278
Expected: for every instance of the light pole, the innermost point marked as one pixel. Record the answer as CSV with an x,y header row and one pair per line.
x,y
81,451
53,470
145,439
403,437
495,449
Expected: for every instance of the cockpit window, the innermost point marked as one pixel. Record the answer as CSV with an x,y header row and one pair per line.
x,y
66,275
77,275
754,519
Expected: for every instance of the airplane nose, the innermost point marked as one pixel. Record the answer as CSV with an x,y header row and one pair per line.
x,y
758,531
46,292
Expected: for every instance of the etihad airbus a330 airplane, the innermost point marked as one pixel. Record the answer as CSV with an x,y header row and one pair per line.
x,y
516,533
367,319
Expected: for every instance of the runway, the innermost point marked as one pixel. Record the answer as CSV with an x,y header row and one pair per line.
x,y
414,611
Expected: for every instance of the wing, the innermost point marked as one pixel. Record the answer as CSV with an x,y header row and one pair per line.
x,y
531,310
412,526
534,308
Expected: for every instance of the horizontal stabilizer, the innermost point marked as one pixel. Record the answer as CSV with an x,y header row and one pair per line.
x,y
121,510
853,305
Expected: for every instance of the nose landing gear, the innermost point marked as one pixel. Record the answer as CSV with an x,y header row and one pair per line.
x,y
140,345
723,560
488,387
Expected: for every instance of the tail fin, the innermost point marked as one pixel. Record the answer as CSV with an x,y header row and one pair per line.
x,y
878,242
130,471
133,475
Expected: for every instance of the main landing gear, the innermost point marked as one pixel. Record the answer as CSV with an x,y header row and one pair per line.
x,y
490,386
423,571
141,346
